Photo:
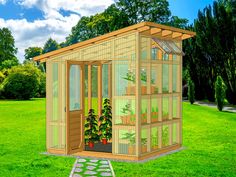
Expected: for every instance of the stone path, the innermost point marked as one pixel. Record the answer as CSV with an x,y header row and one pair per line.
x,y
213,105
91,167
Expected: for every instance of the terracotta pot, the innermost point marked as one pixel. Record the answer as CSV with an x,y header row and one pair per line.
x,y
143,89
165,117
132,119
91,144
154,116
144,118
104,141
153,89
130,90
124,119
131,150
144,149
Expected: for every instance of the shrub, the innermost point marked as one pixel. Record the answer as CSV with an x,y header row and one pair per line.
x,y
191,91
22,82
220,89
42,86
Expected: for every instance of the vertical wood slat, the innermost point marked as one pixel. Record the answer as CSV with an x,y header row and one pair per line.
x,y
159,137
59,104
67,108
82,90
99,77
138,99
149,107
115,140
49,105
110,82
89,86
181,109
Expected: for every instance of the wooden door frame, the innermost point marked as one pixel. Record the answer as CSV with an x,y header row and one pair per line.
x,y
81,64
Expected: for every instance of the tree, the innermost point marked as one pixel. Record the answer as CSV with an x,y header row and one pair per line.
x,y
149,10
191,91
220,89
32,52
22,82
7,49
177,22
50,45
214,47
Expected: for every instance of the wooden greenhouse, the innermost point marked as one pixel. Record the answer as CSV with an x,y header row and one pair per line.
x,y
139,68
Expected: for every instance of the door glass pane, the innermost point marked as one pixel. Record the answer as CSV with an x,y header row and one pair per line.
x,y
75,86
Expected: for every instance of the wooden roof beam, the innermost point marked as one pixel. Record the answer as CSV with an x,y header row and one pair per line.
x,y
142,29
185,36
176,35
155,31
165,33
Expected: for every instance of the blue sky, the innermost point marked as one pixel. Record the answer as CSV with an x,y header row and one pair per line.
x,y
32,22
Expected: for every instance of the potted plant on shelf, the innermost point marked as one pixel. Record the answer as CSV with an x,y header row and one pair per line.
x,y
144,145
91,131
132,118
130,76
154,142
144,117
131,146
125,118
165,137
105,127
154,114
165,115
165,90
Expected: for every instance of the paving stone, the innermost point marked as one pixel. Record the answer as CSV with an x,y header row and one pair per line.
x,y
79,165
76,175
104,166
82,160
90,172
104,162
90,167
94,164
103,169
78,170
106,174
93,160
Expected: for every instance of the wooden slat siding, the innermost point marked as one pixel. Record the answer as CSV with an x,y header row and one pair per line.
x,y
48,102
99,77
60,107
89,87
67,109
170,134
138,99
180,85
149,107
186,34
110,82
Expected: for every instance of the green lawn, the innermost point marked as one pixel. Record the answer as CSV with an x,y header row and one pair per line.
x,y
209,137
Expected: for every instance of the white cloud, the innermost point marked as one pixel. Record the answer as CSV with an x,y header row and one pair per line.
x,y
51,7
36,33
53,25
3,1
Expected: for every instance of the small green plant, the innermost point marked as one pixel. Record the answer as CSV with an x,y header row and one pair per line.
x,y
91,131
220,89
126,109
105,126
191,91
130,76
165,135
130,137
144,141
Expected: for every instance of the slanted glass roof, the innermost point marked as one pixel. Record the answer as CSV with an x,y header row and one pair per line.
x,y
168,47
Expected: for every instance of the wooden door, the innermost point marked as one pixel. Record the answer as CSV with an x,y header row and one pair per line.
x,y
75,107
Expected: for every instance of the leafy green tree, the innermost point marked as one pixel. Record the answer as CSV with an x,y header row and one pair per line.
x,y
22,82
32,52
50,45
177,22
149,10
7,49
220,89
191,91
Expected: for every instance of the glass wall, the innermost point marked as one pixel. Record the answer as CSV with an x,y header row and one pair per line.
x,y
55,105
